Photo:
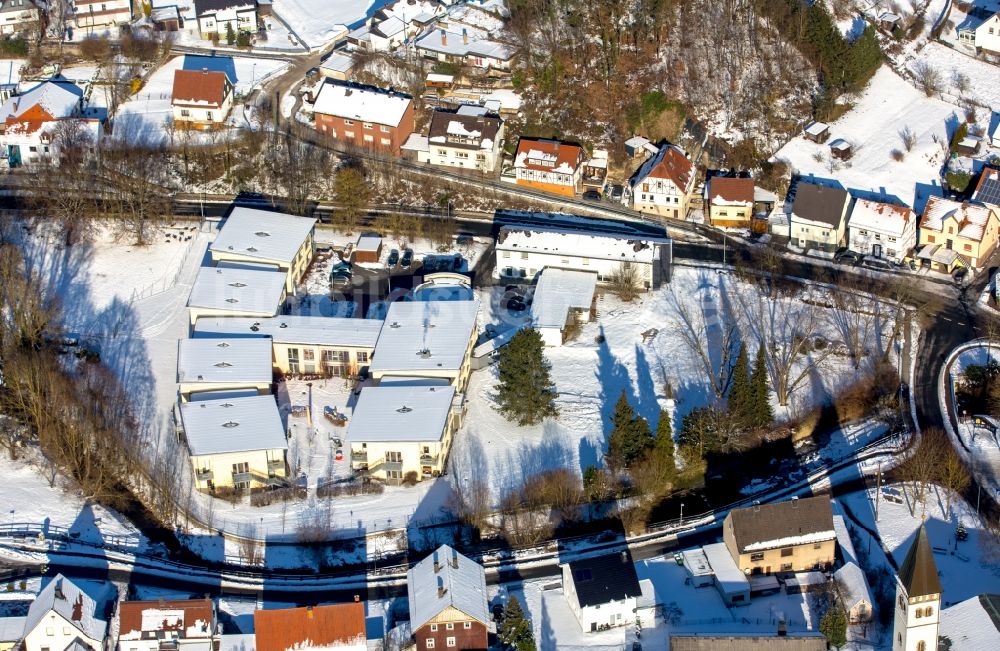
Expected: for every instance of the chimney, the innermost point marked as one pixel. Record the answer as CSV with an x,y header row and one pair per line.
x,y
465,36
204,71
309,612
437,563
756,506
624,557
454,559
58,591
444,37
782,628
162,602
357,598
441,589
795,502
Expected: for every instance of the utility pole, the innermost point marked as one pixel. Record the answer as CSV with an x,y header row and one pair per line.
x,y
878,488
682,515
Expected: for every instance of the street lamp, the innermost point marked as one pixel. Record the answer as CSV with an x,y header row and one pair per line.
x,y
682,515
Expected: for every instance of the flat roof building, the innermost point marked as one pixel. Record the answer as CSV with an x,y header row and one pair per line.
x,y
223,364
219,291
251,235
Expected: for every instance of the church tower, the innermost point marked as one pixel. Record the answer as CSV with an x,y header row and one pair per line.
x,y
918,599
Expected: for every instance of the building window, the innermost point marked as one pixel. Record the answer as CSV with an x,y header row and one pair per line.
x,y
928,611
394,457
349,134
450,642
757,556
505,254
369,138
787,551
787,567
524,256
348,123
434,628
450,626
308,354
968,247
362,357
817,545
367,125
385,141
466,625
930,239
430,640
384,129
50,631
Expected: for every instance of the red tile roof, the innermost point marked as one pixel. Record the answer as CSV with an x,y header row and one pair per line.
x,y
302,628
562,153
200,86
195,610
730,190
672,164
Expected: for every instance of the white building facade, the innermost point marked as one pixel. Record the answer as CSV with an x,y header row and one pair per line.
x,y
18,15
662,185
93,16
882,230
216,16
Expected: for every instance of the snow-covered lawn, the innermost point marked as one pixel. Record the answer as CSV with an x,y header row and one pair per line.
x,y
887,106
318,21
589,376
982,444
10,70
983,86
150,109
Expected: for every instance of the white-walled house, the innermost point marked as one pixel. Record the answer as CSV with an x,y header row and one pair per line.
x,y
548,165
235,442
18,15
522,252
201,99
253,236
399,429
95,16
214,16
819,217
211,365
662,185
981,34
602,592
32,124
62,614
882,230
470,137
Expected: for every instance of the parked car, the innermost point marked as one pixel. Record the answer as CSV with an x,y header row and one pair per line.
x,y
393,258
592,195
847,257
407,259
457,262
430,265
617,192
877,263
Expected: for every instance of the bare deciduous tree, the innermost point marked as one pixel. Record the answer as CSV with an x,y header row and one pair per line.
x,y
625,282
908,138
927,77
712,338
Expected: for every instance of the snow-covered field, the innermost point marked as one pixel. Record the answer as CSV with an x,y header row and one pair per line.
x,y
318,21
887,106
589,376
983,86
150,110
10,70
982,444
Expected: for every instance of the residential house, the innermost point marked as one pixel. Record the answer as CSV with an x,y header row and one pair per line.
x,y
63,615
332,346
469,137
206,367
956,234
524,251
972,624
855,595
166,18
32,124
995,133
663,183
779,641
184,625
730,201
338,66
427,339
918,598
235,442
819,217
265,239
563,299
11,631
792,536
987,190
448,602
602,592
889,22
364,116
18,16
595,171
637,146
332,626
396,430
234,291
217,17
548,165
201,99
882,230
459,47
981,31
98,16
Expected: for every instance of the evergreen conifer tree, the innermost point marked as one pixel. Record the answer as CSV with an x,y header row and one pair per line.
x,y
763,414
630,437
740,394
515,630
525,393
230,34
833,625
664,440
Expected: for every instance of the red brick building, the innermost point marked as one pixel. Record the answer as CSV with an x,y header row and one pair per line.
x,y
448,609
364,116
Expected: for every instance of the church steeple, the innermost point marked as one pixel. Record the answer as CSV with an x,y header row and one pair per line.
x,y
918,573
918,598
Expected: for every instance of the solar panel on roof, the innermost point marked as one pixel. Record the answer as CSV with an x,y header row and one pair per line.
x,y
989,192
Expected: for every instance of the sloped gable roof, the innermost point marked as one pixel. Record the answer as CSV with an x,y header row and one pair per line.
x,y
669,163
445,579
782,524
918,573
186,617
820,204
311,627
207,87
971,219
554,156
49,100
728,191
65,598
604,579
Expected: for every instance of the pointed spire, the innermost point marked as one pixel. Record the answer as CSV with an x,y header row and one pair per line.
x,y
918,573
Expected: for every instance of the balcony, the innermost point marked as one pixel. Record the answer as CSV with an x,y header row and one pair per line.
x,y
359,457
242,477
429,459
276,464
204,475
392,465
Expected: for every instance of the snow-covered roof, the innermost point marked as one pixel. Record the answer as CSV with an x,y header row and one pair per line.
x,y
728,576
416,142
548,155
391,26
288,329
886,16
425,336
636,142
11,628
816,128
185,618
558,291
844,539
972,624
241,291
440,78
696,562
782,524
446,579
263,234
338,62
401,413
368,243
233,425
58,98
365,103
232,361
853,585
880,216
584,244
77,607
970,219
445,41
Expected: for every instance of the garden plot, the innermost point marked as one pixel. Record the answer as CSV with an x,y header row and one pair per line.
x,y
612,354
873,126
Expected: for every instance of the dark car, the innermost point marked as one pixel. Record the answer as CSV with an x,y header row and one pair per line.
x,y
516,304
312,72
430,264
407,259
617,192
847,257
592,195
457,262
393,258
877,263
